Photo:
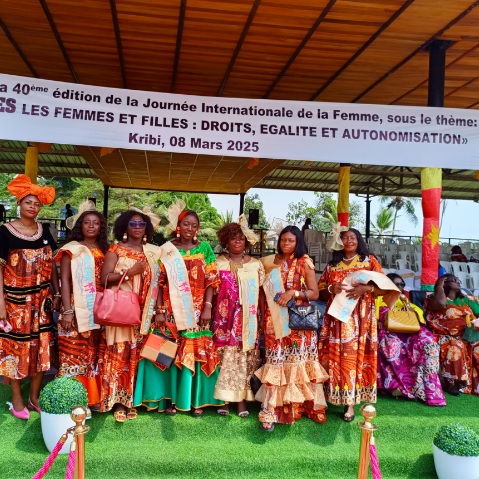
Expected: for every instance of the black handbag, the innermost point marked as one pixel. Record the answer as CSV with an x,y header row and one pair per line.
x,y
305,317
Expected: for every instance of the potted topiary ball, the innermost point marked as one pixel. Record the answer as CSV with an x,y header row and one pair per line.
x,y
57,399
456,452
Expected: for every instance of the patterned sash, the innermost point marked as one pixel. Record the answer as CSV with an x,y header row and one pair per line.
x,y
181,299
83,283
152,253
273,284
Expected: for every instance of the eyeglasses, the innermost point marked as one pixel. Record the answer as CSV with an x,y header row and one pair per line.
x,y
401,284
137,224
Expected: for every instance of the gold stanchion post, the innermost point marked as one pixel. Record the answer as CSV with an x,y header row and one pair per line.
x,y
78,415
367,428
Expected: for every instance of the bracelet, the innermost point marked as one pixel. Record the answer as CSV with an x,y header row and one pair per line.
x,y
160,310
58,295
68,311
329,291
209,304
372,289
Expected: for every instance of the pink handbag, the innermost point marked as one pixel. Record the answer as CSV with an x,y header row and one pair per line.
x,y
115,307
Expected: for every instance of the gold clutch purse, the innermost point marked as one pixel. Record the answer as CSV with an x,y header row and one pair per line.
x,y
402,321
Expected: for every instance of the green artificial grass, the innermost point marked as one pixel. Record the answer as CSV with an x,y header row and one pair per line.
x,y
158,446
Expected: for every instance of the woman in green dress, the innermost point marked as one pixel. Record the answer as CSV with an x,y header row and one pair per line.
x,y
188,277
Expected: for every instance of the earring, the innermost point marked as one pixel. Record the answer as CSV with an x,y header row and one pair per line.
x,y
145,239
195,237
125,237
177,231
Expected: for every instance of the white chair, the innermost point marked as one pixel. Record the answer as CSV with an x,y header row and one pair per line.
x,y
446,265
474,280
314,252
404,255
418,259
458,267
408,276
393,247
463,277
389,262
472,267
402,264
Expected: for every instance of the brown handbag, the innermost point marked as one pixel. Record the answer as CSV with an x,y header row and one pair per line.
x,y
402,321
160,348
116,307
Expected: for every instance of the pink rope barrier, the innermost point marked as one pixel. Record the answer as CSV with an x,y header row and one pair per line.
x,y
375,470
51,458
71,464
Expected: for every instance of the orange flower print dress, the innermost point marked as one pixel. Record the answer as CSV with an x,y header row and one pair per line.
x,y
120,346
27,268
78,352
349,351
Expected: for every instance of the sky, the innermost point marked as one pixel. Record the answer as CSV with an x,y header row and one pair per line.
x,y
460,220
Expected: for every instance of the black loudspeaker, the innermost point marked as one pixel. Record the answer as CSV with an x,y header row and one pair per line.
x,y
253,217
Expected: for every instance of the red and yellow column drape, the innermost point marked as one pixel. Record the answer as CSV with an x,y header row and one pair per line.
x,y
431,186
343,194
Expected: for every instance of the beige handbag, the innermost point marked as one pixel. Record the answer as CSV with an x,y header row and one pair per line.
x,y
402,321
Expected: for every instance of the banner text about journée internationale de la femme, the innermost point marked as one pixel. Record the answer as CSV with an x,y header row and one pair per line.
x,y
68,113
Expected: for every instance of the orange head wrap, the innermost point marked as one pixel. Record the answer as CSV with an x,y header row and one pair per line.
x,y
22,186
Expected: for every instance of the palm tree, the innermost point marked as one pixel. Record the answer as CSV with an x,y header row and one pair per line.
x,y
399,203
384,220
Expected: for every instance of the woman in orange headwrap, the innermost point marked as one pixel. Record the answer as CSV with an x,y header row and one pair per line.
x,y
26,272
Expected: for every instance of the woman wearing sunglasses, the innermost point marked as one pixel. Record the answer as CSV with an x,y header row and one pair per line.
x,y
137,260
448,312
408,362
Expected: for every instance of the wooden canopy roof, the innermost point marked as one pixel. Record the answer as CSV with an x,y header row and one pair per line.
x,y
371,51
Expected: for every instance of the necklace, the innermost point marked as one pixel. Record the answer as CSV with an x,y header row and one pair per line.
x,y
236,266
28,227
351,258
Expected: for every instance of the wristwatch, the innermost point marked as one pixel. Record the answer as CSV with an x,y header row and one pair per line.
x,y
296,294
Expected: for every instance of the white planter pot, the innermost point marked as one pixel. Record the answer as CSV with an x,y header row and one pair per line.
x,y
53,426
455,467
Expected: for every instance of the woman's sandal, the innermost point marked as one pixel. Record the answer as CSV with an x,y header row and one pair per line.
x,y
120,415
170,411
267,426
197,413
243,414
223,411
348,417
131,413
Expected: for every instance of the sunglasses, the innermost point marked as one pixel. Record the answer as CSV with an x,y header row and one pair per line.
x,y
401,284
453,280
137,224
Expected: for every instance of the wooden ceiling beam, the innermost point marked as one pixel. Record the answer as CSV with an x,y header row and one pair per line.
x,y
368,43
18,49
237,50
53,152
59,40
119,46
48,164
300,47
417,50
370,171
179,39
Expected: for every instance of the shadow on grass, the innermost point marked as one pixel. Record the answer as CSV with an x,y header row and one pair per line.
x,y
423,464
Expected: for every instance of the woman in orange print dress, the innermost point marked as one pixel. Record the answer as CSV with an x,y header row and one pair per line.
x,y
349,350
26,273
81,260
292,378
120,346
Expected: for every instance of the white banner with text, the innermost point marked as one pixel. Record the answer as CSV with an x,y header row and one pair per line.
x,y
67,113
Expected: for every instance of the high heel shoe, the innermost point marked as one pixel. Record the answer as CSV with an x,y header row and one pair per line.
x,y
23,414
32,406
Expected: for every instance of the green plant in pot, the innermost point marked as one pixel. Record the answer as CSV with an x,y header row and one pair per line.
x,y
57,399
456,452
